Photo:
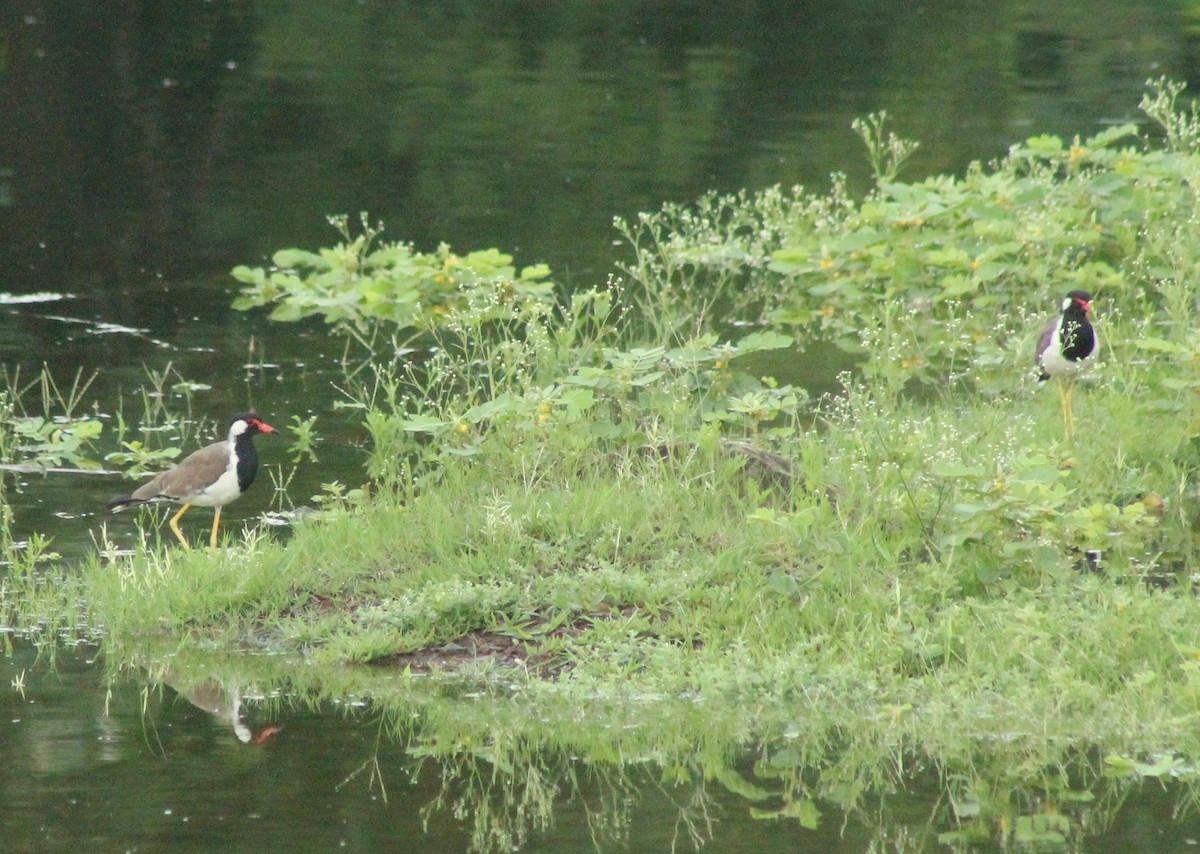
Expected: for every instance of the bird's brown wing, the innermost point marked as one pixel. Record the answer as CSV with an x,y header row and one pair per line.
x,y
1044,341
188,478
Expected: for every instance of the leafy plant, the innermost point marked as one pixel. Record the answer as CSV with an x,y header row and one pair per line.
x,y
357,281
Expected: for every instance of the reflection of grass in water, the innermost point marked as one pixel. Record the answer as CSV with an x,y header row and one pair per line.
x,y
507,759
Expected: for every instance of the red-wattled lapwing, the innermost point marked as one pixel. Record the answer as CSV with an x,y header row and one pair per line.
x,y
1067,344
211,477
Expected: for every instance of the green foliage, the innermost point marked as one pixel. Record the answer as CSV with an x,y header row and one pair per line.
x,y
886,153
304,445
627,396
934,281
357,281
42,425
45,424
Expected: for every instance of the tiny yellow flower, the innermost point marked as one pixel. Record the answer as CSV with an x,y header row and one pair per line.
x,y
827,310
826,263
976,264
1076,152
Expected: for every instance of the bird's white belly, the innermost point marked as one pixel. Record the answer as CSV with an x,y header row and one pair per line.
x,y
221,491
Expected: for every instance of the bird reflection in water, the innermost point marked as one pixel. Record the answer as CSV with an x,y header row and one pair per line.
x,y
225,705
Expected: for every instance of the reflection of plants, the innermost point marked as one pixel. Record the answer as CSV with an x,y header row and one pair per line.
x,y
40,600
505,764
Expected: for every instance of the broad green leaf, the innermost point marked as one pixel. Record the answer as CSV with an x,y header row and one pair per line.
x,y
249,275
536,271
423,424
1045,145
1160,345
288,258
769,340
500,404
1110,135
578,400
944,468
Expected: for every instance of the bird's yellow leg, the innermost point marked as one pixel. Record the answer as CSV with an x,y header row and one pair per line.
x,y
1069,408
212,543
175,525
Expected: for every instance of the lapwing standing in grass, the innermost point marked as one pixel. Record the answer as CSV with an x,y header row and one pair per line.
x,y
1067,345
211,477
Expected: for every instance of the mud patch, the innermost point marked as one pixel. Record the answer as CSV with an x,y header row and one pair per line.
x,y
504,651
501,650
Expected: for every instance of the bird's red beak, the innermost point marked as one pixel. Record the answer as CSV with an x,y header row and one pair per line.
x,y
1085,305
264,427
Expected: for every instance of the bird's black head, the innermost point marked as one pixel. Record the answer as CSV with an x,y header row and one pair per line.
x,y
247,423
1077,302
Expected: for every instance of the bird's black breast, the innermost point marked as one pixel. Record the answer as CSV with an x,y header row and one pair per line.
x,y
247,462
1078,339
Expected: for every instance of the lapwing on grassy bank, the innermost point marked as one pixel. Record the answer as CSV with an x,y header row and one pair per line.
x,y
1067,346
211,477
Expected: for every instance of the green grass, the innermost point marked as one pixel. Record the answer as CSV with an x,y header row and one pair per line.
x,y
681,575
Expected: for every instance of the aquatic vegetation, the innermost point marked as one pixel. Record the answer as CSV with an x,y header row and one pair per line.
x,y
43,423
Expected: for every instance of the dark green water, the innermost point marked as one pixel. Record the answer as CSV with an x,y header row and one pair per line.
x,y
146,148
